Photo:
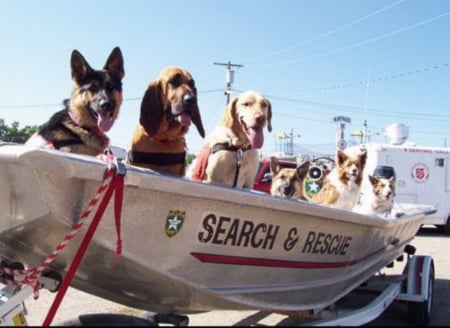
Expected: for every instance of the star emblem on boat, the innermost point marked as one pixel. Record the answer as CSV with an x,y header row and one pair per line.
x,y
314,187
311,188
174,222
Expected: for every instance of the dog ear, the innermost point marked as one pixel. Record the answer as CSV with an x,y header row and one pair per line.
x,y
363,158
152,111
114,63
197,119
372,180
341,157
229,116
231,121
274,165
80,67
269,117
303,169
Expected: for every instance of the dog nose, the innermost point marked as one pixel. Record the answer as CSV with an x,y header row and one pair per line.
x,y
287,190
106,105
188,99
261,120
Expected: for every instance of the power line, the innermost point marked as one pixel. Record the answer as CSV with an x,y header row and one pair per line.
x,y
425,116
358,110
379,79
321,36
19,106
355,45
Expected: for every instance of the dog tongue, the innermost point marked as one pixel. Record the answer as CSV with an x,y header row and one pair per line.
x,y
256,137
105,122
184,119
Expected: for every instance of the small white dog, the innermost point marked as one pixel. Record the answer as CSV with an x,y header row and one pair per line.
x,y
378,197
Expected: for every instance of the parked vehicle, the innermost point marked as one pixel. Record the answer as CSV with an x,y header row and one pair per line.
x,y
422,176
263,179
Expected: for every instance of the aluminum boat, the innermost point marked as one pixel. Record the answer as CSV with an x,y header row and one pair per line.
x,y
187,246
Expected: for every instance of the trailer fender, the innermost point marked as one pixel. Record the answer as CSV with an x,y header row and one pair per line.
x,y
419,288
419,269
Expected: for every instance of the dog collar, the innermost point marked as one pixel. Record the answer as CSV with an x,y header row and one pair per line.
x,y
160,137
223,146
75,121
72,117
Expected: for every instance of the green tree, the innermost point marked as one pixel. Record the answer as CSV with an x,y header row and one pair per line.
x,y
15,134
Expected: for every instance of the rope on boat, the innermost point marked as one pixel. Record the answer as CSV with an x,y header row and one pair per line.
x,y
20,277
115,185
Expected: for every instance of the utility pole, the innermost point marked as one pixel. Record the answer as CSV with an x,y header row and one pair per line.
x,y
292,141
229,78
365,132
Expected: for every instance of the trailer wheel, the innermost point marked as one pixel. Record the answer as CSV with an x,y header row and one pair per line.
x,y
422,273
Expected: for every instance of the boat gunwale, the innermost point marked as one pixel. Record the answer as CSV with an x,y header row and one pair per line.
x,y
136,176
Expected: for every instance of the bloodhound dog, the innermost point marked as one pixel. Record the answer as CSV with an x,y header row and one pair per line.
x,y
230,155
168,107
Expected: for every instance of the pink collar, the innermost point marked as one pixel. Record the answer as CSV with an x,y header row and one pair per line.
x,y
72,117
75,121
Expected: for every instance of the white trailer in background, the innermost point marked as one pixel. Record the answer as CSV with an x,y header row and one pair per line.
x,y
422,175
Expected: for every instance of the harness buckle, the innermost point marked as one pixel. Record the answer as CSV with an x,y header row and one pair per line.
x,y
112,161
239,153
120,166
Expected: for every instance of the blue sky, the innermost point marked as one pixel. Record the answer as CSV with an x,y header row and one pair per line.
x,y
383,61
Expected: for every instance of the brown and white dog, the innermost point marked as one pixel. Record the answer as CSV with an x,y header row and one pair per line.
x,y
378,197
341,187
287,182
168,107
230,155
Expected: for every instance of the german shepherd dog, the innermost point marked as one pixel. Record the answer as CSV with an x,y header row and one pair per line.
x,y
287,182
91,110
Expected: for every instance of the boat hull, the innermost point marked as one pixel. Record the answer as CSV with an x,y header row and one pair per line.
x,y
187,246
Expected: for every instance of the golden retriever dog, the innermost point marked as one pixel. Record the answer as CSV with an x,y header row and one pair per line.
x,y
230,155
287,182
168,107
342,186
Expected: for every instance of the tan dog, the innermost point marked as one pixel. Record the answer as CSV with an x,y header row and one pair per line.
x,y
341,187
287,182
230,156
167,110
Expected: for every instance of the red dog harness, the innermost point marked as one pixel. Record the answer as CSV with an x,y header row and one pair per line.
x,y
199,170
202,161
